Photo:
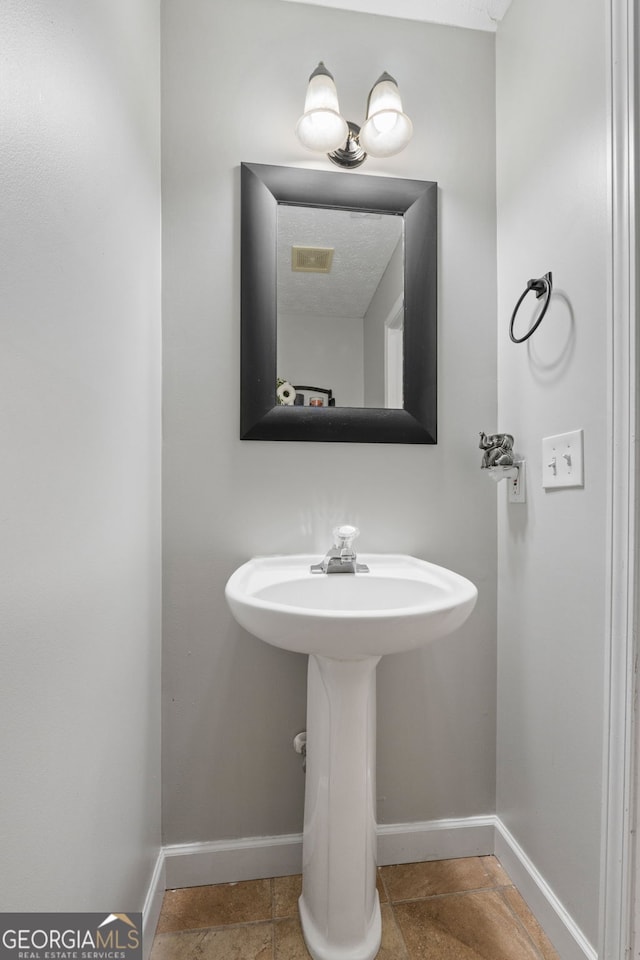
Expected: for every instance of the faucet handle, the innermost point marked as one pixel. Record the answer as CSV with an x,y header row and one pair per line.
x,y
341,558
345,534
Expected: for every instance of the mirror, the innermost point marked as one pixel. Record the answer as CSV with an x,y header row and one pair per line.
x,y
340,304
339,299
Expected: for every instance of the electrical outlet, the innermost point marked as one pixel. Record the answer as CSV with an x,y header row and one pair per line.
x,y
517,493
563,460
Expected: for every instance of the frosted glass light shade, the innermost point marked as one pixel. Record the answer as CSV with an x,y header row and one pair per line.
x,y
322,127
387,130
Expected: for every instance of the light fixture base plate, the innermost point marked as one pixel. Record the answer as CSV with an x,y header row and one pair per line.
x,y
351,155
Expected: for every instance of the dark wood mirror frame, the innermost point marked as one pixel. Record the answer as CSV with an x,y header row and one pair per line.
x,y
263,188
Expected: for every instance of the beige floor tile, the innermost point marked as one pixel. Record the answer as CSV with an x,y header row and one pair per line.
x,y
380,887
471,926
465,909
288,940
191,908
412,881
392,946
286,891
252,942
530,923
495,869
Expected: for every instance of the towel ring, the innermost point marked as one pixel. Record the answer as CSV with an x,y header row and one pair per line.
x,y
541,286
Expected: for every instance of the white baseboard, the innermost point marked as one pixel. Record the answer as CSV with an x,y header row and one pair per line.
x,y
228,861
153,904
253,858
435,840
555,920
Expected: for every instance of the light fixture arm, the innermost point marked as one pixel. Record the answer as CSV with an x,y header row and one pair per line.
x,y
351,155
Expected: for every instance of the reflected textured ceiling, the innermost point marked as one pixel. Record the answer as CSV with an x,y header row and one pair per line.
x,y
363,246
474,14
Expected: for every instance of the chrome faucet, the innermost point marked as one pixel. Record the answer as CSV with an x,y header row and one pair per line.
x,y
341,558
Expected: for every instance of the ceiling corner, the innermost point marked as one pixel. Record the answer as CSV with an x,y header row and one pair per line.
x,y
472,14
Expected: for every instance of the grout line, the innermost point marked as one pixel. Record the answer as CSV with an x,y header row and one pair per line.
x,y
215,926
380,876
520,922
451,893
272,884
399,929
393,916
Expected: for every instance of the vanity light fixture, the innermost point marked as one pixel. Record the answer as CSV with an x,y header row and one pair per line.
x,y
386,131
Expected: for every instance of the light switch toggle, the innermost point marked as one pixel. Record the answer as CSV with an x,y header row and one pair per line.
x,y
562,460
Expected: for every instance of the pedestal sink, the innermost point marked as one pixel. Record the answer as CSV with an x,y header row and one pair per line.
x,y
346,624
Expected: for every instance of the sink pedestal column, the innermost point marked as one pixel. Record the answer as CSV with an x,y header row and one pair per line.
x,y
339,906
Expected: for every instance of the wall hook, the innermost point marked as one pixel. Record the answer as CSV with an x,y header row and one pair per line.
x,y
542,286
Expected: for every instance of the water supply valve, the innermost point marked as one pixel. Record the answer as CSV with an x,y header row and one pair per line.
x,y
300,746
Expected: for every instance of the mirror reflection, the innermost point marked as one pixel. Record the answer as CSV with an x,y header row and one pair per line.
x,y
360,366
340,307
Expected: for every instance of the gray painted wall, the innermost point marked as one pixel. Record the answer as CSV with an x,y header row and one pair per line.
x,y
80,479
323,351
553,215
234,78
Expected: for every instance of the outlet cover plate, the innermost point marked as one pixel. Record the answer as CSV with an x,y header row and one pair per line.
x,y
563,460
517,490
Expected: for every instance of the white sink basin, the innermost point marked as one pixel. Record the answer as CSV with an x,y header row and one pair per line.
x,y
401,604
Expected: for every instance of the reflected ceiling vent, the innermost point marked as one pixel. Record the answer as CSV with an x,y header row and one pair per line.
x,y
311,259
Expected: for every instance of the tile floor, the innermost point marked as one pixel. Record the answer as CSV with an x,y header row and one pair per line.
x,y
442,910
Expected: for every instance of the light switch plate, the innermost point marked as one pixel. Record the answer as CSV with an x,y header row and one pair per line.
x,y
563,460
